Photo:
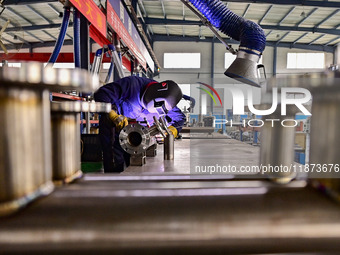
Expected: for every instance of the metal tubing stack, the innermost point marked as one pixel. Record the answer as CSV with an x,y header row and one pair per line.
x,y
25,153
325,135
278,135
66,137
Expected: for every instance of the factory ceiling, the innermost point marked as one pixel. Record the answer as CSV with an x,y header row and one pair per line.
x,y
287,23
310,24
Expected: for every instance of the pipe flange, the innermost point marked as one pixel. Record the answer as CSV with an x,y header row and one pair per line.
x,y
135,139
159,127
34,75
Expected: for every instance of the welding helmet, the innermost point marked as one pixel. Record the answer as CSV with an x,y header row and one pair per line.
x,y
161,97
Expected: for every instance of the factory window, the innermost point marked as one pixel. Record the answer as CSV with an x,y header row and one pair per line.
x,y
184,104
107,66
229,59
63,65
12,64
182,60
305,60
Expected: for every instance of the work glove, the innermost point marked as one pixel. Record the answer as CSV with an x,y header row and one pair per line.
x,y
120,121
173,130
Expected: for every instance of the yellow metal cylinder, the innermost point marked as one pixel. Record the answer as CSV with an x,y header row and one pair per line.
x,y
66,146
25,166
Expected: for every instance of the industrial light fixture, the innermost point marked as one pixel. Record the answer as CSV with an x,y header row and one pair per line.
x,y
303,13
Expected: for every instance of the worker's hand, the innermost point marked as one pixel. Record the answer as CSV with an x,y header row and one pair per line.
x,y
120,121
173,130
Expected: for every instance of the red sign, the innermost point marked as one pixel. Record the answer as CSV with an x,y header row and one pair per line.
x,y
93,14
114,21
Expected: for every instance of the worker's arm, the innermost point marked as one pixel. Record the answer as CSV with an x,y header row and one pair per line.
x,y
109,93
177,118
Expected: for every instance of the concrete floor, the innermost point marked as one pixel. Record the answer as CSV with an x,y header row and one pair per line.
x,y
203,150
160,208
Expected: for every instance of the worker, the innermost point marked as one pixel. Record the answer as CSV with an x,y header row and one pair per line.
x,y
140,99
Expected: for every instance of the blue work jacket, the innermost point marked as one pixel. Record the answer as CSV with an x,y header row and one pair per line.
x,y
125,94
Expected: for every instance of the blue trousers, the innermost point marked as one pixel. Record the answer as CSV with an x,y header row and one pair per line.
x,y
114,157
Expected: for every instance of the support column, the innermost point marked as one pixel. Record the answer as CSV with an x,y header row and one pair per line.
x,y
212,70
84,61
84,43
275,60
336,55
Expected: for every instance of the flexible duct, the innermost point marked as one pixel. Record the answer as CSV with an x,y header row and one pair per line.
x,y
251,36
192,101
61,37
109,73
97,61
76,37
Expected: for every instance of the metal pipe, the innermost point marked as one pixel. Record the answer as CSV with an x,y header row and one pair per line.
x,y
76,37
135,138
118,64
97,61
277,146
66,137
61,36
169,147
325,135
25,153
25,163
66,146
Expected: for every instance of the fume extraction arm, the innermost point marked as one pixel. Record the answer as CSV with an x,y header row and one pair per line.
x,y
251,36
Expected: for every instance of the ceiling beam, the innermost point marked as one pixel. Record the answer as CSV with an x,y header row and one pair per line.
x,y
34,27
157,21
24,2
284,36
306,17
271,31
329,4
19,15
327,18
52,36
265,15
39,14
55,10
314,47
287,14
300,37
20,38
332,41
303,29
313,41
163,9
39,45
35,37
70,37
246,10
